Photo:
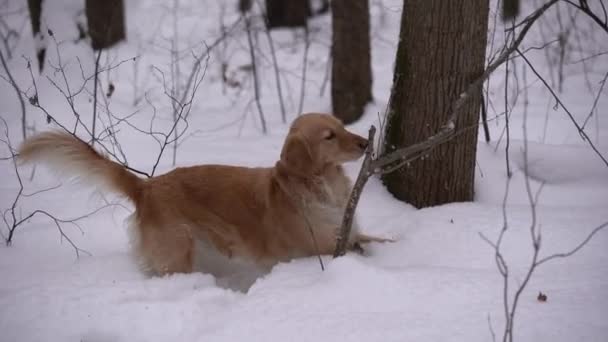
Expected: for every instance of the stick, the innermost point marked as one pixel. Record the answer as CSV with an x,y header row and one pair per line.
x,y
349,213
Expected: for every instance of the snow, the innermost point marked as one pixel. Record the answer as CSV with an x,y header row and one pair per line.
x,y
437,282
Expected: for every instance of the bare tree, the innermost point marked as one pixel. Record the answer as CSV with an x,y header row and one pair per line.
x,y
437,57
351,77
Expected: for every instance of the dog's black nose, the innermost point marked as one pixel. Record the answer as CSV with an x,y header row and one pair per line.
x,y
363,144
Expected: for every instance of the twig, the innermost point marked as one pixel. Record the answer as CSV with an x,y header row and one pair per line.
x,y
93,137
575,249
595,101
195,80
16,223
507,114
484,118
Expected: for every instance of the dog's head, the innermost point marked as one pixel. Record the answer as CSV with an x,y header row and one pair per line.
x,y
316,141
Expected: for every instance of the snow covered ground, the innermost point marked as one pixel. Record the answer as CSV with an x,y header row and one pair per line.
x,y
438,282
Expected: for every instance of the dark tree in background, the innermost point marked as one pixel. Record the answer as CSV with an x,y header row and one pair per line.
x,y
244,6
35,9
323,7
106,22
441,51
287,13
351,76
510,9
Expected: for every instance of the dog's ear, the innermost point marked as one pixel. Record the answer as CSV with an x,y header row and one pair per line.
x,y
296,154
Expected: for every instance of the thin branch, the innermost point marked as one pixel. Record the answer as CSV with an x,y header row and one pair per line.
x,y
95,97
584,7
184,105
484,119
575,249
507,125
349,212
580,130
595,101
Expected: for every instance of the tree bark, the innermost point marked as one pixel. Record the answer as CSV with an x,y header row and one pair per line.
x,y
106,22
351,76
287,13
441,51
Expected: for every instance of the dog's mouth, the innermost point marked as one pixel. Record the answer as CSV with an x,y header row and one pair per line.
x,y
353,155
357,149
360,147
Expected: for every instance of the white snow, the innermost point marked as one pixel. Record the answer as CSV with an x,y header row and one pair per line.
x,y
438,282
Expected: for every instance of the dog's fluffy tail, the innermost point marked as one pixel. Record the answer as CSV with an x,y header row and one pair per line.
x,y
72,157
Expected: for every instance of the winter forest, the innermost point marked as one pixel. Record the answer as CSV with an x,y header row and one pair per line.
x,y
162,177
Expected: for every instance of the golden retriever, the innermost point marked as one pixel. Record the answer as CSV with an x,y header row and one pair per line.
x,y
264,215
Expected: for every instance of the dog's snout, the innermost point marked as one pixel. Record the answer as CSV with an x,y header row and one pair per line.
x,y
363,144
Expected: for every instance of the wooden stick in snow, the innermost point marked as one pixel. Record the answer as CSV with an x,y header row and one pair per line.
x,y
349,213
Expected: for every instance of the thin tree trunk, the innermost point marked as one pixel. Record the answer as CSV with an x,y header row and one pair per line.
x,y
106,22
351,77
441,51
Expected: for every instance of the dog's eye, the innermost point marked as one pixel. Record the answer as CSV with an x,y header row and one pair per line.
x,y
330,135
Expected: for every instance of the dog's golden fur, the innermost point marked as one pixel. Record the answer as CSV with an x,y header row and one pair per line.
x,y
259,214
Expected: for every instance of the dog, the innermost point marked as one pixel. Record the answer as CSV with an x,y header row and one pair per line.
x,y
264,215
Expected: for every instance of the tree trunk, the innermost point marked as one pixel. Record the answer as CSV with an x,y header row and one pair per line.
x,y
510,9
351,76
244,6
441,51
35,8
106,22
287,13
